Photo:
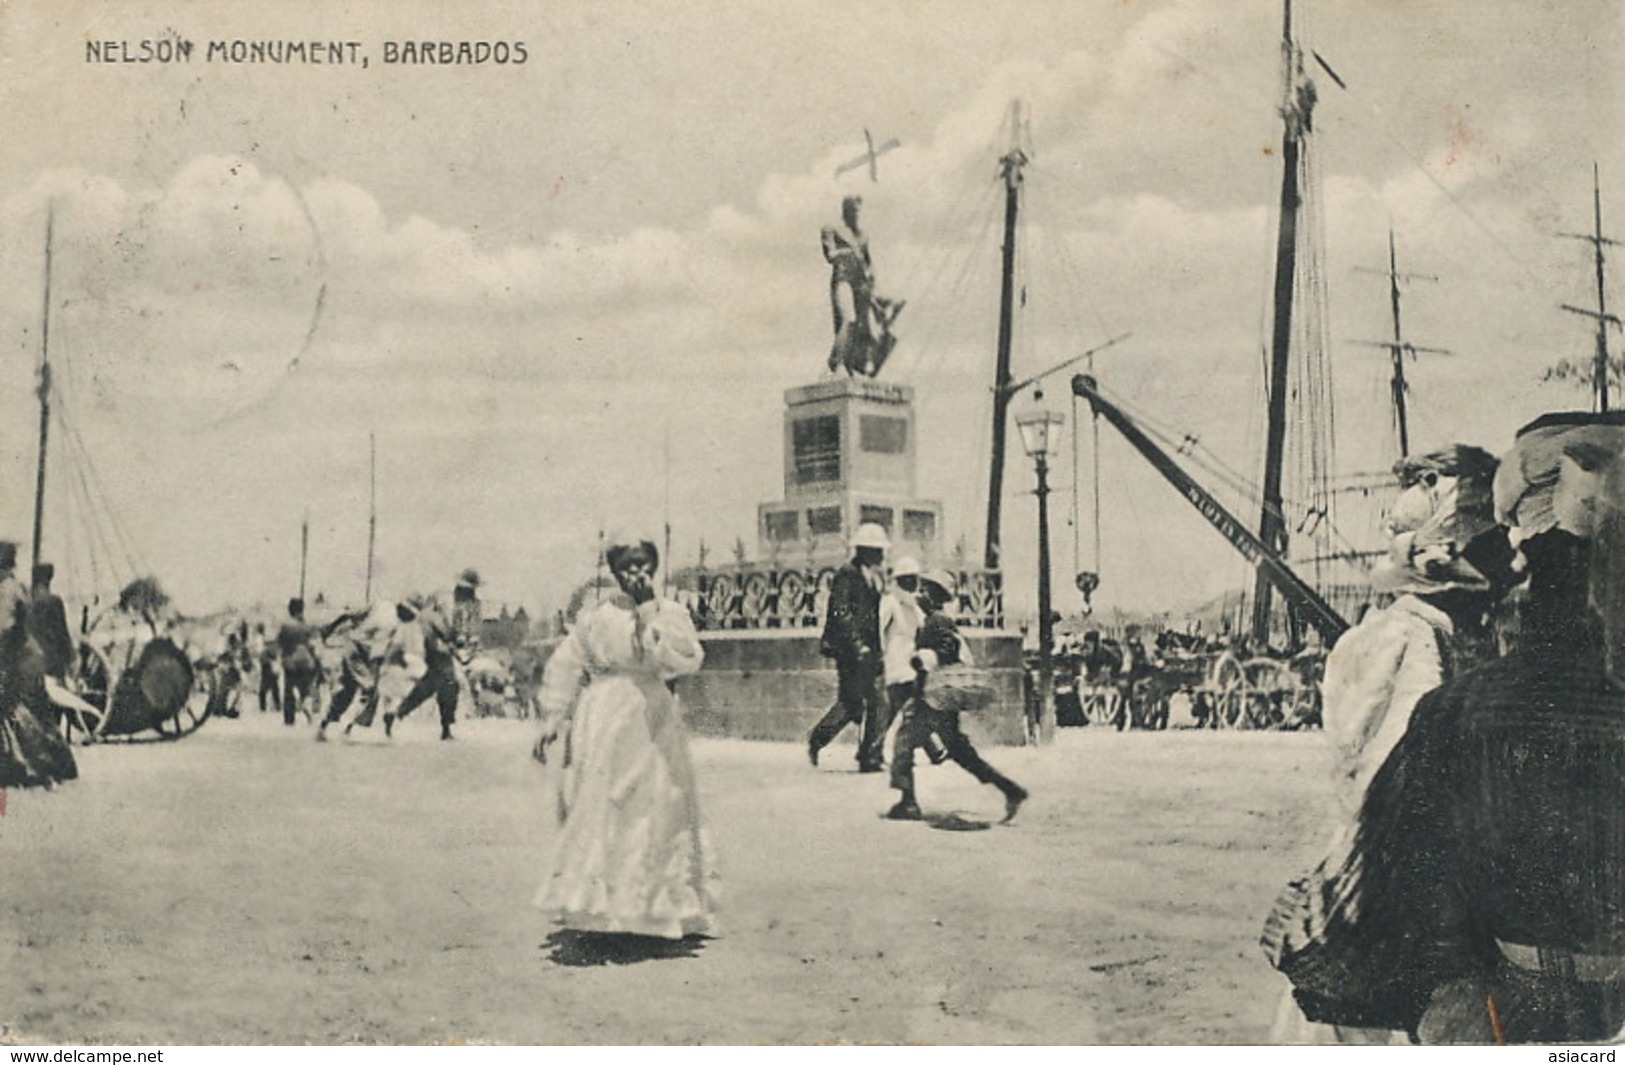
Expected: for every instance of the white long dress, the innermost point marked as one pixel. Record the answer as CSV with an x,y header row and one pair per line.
x,y
632,856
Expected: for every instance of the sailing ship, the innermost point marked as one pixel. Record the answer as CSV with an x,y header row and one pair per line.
x,y
131,680
1296,438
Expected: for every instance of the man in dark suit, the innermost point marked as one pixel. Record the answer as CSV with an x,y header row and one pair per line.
x,y
48,624
295,644
852,638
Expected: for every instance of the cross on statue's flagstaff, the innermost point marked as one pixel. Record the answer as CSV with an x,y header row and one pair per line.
x,y
870,157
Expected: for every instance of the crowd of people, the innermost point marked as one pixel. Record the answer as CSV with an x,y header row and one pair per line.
x,y
36,650
1474,862
380,662
899,656
392,657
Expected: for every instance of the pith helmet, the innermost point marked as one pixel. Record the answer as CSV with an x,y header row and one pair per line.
x,y
871,535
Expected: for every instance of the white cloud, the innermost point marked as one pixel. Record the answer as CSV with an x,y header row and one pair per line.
x,y
529,374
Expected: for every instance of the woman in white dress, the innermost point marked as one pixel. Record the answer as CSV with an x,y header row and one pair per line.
x,y
632,856
1447,564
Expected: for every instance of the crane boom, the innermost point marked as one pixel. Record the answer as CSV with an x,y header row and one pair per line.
x,y
1300,595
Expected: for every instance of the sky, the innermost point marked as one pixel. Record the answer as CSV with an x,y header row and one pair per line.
x,y
567,295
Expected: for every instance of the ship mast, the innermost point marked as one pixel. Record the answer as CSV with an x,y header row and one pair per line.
x,y
1397,348
1010,171
1296,108
1599,369
1397,351
372,509
44,394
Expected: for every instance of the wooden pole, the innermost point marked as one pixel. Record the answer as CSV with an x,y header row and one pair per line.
x,y
1010,166
372,508
1599,367
1272,522
1398,351
44,394
1600,373
1046,623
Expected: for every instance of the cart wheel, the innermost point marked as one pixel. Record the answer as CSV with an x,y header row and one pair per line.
x,y
91,682
1230,693
1100,704
1160,710
1270,684
79,726
1305,709
184,721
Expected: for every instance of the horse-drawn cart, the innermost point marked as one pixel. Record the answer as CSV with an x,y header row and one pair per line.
x,y
1264,692
1122,686
130,690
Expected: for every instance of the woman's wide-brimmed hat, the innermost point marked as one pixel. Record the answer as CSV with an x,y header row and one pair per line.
x,y
1526,483
1448,503
942,580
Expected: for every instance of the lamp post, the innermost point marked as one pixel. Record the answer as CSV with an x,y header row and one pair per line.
x,y
1036,430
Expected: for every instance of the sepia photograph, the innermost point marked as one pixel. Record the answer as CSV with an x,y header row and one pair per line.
x,y
812,523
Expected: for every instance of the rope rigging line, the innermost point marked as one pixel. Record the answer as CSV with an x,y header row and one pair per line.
x,y
1189,444
927,349
1311,445
1205,460
101,518
78,509
1369,117
1057,261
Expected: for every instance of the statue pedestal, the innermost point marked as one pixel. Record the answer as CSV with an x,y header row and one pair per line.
x,y
849,458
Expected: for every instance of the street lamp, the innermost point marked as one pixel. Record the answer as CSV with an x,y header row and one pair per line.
x,y
1037,428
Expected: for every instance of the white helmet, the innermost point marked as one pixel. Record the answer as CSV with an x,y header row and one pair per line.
x,y
870,534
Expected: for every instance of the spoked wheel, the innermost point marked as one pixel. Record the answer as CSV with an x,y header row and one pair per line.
x,y
1230,693
164,685
184,721
1305,709
91,683
1100,704
79,726
1269,683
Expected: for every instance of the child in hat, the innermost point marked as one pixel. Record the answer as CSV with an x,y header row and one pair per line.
x,y
942,657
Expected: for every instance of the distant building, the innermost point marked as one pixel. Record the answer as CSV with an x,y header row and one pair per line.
x,y
504,629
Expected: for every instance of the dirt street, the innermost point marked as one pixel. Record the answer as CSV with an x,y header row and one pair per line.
x,y
247,885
